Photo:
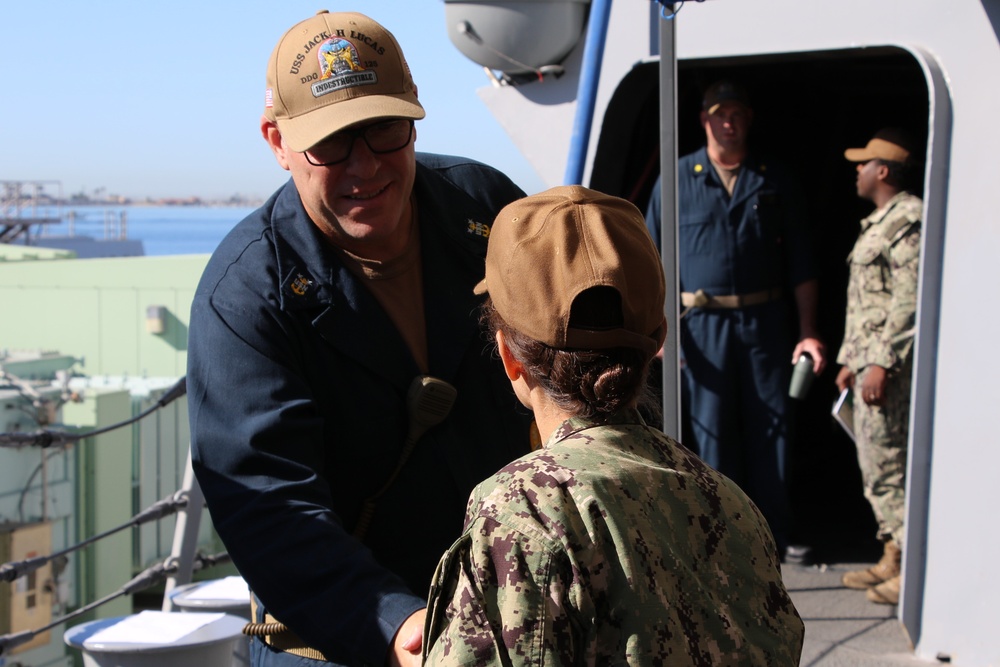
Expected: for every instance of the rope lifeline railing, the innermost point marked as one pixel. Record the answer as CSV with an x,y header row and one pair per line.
x,y
10,572
47,438
151,576
161,508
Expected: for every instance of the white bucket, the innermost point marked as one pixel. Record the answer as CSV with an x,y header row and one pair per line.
x,y
113,642
230,595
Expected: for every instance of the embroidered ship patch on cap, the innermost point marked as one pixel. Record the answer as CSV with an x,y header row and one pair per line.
x,y
340,67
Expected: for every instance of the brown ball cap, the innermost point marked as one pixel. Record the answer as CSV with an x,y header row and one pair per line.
x,y
335,70
546,249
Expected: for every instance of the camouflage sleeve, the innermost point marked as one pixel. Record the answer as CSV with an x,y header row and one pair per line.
x,y
498,598
882,290
904,265
844,353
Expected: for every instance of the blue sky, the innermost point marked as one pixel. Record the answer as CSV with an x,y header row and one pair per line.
x,y
164,99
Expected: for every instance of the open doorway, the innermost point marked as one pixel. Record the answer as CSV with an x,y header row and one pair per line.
x,y
808,107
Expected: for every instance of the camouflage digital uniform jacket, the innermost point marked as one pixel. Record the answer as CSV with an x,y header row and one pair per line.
x,y
612,545
882,290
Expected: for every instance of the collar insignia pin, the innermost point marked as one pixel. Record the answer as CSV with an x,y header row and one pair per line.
x,y
478,228
301,285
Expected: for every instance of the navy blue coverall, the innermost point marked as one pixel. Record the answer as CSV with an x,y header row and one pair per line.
x,y
297,384
736,361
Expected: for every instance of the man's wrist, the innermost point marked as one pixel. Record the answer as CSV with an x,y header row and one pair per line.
x,y
806,332
393,610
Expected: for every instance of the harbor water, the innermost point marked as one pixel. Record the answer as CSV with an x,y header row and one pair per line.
x,y
163,230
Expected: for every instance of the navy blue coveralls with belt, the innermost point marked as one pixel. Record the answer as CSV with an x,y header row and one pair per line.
x,y
297,390
736,360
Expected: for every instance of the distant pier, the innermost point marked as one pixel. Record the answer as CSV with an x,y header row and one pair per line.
x,y
21,204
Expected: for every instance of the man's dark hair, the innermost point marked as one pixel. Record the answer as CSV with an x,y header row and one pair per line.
x,y
901,174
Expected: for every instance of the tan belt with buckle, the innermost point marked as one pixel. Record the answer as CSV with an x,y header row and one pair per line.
x,y
702,299
276,634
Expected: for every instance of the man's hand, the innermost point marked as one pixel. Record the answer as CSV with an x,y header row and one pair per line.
x,y
408,642
845,378
816,349
873,385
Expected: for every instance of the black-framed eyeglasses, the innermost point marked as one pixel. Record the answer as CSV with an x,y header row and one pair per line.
x,y
385,137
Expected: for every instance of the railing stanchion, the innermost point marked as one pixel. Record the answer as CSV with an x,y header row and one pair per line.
x,y
185,535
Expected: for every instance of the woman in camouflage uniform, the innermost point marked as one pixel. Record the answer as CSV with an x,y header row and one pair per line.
x,y
611,544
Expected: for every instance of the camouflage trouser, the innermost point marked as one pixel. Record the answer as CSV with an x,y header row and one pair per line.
x,y
881,434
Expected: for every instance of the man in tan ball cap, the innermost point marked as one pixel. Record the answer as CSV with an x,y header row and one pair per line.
x,y
337,371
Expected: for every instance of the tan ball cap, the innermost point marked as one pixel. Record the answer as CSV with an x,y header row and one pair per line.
x,y
888,144
546,249
334,70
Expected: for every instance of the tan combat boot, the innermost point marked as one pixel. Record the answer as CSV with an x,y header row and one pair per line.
x,y
884,570
885,593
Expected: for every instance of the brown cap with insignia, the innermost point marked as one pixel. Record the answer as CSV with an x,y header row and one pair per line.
x,y
335,70
546,249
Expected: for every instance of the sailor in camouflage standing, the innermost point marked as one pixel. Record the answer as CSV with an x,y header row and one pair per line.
x,y
878,342
612,544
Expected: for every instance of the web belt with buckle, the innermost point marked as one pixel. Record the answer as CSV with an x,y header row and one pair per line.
x,y
702,299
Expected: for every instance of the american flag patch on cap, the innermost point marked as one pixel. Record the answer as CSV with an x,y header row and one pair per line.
x,y
268,98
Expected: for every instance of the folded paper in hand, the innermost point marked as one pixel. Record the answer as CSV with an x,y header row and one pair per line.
x,y
843,411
